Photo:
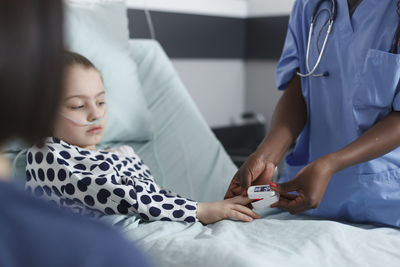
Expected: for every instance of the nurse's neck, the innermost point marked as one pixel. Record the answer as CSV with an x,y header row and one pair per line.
x,y
353,4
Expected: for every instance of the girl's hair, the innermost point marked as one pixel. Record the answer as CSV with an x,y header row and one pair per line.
x,y
31,67
72,58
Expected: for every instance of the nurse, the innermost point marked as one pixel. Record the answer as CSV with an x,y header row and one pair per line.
x,y
341,105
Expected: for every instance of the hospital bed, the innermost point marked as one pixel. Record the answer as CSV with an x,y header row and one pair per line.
x,y
189,160
185,156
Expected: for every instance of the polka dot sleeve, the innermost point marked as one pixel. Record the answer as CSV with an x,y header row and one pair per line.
x,y
100,182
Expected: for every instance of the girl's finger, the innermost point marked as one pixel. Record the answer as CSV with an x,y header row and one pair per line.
x,y
233,214
241,200
246,211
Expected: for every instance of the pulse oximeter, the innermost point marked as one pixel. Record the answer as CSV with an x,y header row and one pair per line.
x,y
264,194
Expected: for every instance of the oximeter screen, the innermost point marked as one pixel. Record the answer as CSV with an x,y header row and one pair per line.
x,y
262,189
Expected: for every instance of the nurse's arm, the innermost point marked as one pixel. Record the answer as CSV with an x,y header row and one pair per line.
x,y
379,140
311,181
288,120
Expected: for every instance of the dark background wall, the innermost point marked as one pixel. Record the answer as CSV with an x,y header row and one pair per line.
x,y
202,36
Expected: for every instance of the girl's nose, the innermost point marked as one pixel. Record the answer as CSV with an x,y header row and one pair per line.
x,y
95,113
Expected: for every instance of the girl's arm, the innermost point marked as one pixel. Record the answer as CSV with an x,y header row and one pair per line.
x,y
146,198
109,184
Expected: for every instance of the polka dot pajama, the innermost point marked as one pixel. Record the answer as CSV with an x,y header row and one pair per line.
x,y
95,183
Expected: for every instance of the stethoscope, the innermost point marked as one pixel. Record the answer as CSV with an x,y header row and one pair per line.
x,y
332,17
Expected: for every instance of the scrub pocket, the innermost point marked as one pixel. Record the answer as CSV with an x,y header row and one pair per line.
x,y
380,193
376,87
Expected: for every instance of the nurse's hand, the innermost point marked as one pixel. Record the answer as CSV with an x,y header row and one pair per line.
x,y
310,184
257,170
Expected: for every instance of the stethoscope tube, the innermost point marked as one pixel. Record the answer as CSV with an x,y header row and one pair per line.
x,y
311,72
332,17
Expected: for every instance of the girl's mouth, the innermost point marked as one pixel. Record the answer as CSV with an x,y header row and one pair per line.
x,y
95,130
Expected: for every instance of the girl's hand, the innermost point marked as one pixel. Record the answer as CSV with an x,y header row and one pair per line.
x,y
310,184
255,171
233,208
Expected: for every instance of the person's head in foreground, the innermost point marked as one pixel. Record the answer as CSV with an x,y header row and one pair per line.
x,y
33,233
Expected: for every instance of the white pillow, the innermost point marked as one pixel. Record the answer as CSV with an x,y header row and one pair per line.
x,y
99,31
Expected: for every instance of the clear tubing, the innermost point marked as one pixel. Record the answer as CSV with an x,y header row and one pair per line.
x,y
87,123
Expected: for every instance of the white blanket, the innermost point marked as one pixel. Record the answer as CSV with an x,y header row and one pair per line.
x,y
278,239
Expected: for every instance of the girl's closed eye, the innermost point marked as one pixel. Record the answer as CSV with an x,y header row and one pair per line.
x,y
77,107
75,104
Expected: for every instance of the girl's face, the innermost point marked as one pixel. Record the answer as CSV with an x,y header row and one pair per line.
x,y
83,102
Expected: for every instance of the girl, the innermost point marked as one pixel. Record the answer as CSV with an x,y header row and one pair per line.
x,y
69,171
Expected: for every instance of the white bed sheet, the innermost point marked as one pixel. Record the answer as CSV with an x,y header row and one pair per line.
x,y
278,239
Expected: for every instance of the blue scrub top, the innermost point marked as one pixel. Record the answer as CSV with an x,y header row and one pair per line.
x,y
362,88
